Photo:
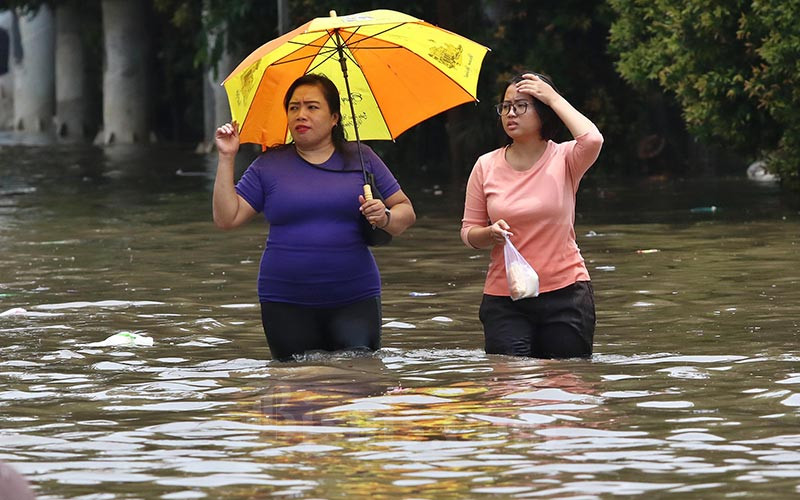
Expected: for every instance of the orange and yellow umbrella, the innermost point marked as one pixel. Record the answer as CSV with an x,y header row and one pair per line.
x,y
392,71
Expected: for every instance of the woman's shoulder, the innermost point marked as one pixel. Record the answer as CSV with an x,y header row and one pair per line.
x,y
274,154
278,150
351,157
350,148
486,160
590,137
271,160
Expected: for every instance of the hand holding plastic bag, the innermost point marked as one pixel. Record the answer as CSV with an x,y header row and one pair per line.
x,y
523,282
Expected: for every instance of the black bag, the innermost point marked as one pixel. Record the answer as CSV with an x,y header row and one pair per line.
x,y
374,236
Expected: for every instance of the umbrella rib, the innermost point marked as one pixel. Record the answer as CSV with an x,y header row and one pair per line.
x,y
330,55
356,44
333,52
312,56
369,37
323,51
344,45
350,46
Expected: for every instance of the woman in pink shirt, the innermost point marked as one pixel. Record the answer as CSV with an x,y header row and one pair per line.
x,y
528,189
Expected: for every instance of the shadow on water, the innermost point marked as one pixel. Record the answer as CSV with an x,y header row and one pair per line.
x,y
692,390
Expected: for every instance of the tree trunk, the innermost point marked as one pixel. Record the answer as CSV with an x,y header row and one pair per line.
x,y
216,110
126,116
283,16
72,120
34,75
6,76
458,128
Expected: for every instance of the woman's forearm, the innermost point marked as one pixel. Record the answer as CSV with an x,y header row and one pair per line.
x,y
225,201
402,216
480,237
575,121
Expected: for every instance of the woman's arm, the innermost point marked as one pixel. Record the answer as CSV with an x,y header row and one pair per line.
x,y
230,210
574,120
484,237
401,215
475,232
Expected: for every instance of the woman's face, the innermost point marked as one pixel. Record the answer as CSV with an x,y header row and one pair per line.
x,y
309,117
520,125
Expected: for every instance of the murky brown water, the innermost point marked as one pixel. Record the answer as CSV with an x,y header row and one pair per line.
x,y
693,391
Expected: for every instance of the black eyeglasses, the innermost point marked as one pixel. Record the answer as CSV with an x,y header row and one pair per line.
x,y
504,108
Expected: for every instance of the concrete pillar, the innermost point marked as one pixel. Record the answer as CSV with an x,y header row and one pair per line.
x,y
216,110
72,120
6,75
126,99
34,72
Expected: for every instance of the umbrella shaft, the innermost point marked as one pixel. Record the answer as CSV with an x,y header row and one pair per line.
x,y
343,62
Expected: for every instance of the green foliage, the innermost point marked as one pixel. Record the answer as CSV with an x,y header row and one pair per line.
x,y
772,33
244,24
731,64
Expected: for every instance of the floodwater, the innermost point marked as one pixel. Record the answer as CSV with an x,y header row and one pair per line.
x,y
693,390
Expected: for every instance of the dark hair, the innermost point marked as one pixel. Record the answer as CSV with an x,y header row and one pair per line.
x,y
551,123
331,94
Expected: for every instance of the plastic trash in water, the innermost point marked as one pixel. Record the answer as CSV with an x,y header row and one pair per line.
x,y
704,210
16,311
758,171
19,311
442,319
125,339
399,324
648,250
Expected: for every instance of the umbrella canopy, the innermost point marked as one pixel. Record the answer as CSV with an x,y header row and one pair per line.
x,y
392,71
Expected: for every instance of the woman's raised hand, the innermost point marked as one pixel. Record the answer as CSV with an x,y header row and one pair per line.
x,y
537,88
226,139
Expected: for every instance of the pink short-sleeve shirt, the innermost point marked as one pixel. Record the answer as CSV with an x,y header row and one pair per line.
x,y
539,206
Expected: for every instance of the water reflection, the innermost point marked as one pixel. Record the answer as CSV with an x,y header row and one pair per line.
x,y
692,391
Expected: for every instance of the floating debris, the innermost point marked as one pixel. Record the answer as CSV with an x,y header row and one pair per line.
x,y
16,311
758,171
398,324
704,210
124,339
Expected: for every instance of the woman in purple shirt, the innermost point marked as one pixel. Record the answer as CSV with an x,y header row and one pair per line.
x,y
318,283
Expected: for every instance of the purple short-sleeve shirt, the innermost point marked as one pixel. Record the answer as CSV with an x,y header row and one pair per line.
x,y
315,254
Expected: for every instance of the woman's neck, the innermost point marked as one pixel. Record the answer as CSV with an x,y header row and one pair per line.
x,y
522,155
316,154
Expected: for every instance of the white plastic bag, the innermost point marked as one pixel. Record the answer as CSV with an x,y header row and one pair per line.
x,y
124,339
523,282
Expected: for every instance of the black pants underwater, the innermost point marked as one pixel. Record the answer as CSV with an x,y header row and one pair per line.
x,y
293,330
557,324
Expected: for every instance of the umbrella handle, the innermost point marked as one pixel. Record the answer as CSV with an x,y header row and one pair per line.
x,y
367,192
